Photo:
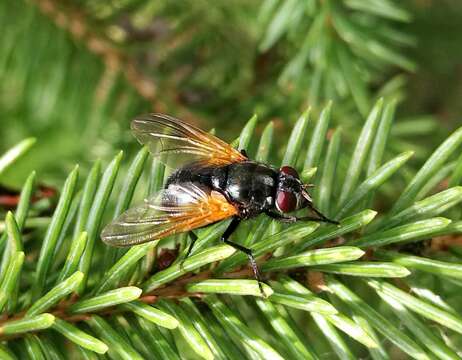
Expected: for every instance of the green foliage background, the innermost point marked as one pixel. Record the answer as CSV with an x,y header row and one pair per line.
x,y
381,142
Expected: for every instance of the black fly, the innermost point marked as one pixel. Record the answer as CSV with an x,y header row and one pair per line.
x,y
212,182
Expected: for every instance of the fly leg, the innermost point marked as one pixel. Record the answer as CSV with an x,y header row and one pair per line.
x,y
292,219
191,245
243,152
321,215
281,218
231,228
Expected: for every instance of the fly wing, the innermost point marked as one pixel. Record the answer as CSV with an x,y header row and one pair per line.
x,y
177,143
179,208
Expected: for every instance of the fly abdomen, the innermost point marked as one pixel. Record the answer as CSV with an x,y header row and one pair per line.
x,y
213,178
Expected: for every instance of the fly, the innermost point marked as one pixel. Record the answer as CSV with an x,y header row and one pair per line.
x,y
212,182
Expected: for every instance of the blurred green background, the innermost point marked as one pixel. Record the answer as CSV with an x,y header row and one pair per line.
x,y
74,73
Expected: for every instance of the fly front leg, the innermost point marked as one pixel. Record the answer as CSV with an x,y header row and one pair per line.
x,y
322,216
292,219
281,218
225,238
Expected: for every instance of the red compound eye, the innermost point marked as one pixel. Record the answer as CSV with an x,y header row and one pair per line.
x,y
286,201
289,170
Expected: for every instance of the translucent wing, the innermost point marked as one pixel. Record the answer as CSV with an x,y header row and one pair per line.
x,y
178,143
179,208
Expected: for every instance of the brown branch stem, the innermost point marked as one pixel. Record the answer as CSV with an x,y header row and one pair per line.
x,y
79,25
174,290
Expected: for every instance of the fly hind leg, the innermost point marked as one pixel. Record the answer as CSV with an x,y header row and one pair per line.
x,y
190,247
225,238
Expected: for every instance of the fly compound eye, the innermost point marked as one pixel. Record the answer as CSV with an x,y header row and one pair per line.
x,y
286,201
289,170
